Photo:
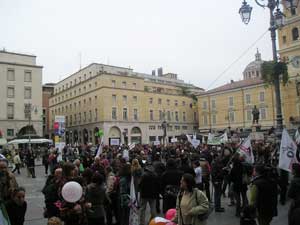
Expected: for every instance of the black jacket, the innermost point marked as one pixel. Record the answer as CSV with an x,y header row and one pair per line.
x,y
15,212
171,177
149,185
266,196
294,193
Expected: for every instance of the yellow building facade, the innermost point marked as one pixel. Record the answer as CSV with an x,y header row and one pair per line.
x,y
128,106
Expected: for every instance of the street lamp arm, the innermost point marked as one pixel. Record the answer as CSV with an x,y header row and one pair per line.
x,y
260,4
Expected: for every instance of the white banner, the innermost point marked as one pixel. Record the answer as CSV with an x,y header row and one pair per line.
x,y
115,141
134,212
246,150
297,137
288,152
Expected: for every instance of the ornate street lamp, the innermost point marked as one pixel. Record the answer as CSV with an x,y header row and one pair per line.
x,y
245,12
291,4
276,21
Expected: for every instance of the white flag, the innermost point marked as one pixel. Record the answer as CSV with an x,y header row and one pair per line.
x,y
100,148
297,137
246,150
189,138
224,138
134,212
288,152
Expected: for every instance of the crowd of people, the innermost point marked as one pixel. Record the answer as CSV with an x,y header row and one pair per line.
x,y
190,180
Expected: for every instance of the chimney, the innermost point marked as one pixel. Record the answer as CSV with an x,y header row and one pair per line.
x,y
231,81
153,72
160,72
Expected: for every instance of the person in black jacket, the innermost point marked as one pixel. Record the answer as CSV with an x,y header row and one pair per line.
x,y
294,194
170,185
149,190
16,207
217,175
263,195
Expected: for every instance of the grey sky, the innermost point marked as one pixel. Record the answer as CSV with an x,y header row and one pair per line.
x,y
196,39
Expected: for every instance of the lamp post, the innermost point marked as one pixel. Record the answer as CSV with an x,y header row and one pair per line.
x,y
276,22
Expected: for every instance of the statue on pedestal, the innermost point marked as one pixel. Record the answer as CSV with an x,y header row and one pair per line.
x,y
255,114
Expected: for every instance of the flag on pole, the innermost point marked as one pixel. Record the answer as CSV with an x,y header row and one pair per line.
x,y
246,150
189,138
100,148
224,138
289,154
133,205
297,137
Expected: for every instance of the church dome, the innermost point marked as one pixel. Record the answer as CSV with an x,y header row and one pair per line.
x,y
253,70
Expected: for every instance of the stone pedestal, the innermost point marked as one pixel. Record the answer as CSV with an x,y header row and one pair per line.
x,y
256,127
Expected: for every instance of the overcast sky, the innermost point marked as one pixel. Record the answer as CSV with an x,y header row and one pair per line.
x,y
196,39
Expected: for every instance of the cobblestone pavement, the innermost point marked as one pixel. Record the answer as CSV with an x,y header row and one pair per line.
x,y
35,200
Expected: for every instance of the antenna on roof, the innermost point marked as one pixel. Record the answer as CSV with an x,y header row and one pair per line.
x,y
80,58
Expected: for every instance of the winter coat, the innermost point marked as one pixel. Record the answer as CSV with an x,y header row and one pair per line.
x,y
198,205
96,195
294,194
149,186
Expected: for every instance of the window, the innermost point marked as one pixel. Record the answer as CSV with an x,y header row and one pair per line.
x,y
84,76
114,99
10,74
248,99
151,127
204,105
10,92
184,116
90,86
75,119
96,114
125,115
263,114
79,104
10,111
90,100
231,116
177,127
151,115
113,83
161,115
169,115
84,117
27,76
159,101
114,113
150,100
213,104
214,119
249,115
134,85
84,88
176,116
96,83
230,101
295,34
134,99
184,127
284,39
71,120
168,101
135,114
262,96
293,11
195,116
176,103
10,132
79,118
27,93
183,103
90,117
124,99
124,84
205,120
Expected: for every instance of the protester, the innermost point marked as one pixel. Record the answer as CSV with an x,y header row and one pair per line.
x,y
217,175
54,221
125,179
30,162
96,198
263,195
16,207
294,194
198,177
17,162
149,190
45,161
170,185
8,182
191,203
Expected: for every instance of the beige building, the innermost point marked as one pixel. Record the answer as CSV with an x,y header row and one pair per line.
x,y
128,106
21,84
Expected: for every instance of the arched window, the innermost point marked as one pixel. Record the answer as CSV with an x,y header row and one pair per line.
x,y
295,34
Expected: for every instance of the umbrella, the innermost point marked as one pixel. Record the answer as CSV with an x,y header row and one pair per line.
x,y
32,141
